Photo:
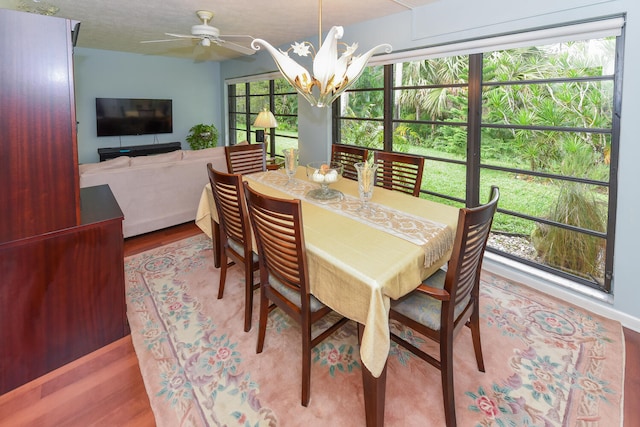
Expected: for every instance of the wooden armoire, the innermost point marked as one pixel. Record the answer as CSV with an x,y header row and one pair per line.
x,y
61,247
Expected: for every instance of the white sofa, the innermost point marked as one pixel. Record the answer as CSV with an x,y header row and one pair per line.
x,y
155,191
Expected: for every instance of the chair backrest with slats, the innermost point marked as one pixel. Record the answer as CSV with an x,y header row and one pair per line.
x,y
348,155
231,206
399,172
245,159
465,265
277,225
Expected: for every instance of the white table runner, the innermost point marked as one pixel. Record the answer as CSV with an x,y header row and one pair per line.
x,y
435,238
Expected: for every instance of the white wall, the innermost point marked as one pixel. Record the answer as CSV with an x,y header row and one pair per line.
x,y
194,87
457,20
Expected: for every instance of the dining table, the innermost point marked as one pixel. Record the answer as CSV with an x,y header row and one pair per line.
x,y
360,257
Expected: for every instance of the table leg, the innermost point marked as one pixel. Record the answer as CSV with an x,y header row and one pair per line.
x,y
374,393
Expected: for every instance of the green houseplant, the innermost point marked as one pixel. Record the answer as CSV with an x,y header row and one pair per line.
x,y
202,136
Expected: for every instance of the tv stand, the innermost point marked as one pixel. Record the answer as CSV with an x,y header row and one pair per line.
x,y
137,150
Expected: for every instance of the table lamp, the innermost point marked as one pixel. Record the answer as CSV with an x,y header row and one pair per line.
x,y
265,120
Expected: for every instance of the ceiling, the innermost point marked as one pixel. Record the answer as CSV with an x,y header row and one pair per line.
x,y
121,25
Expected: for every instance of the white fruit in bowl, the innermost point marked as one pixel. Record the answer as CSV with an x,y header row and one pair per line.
x,y
317,177
331,176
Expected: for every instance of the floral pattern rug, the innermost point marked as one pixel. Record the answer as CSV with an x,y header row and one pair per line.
x,y
547,363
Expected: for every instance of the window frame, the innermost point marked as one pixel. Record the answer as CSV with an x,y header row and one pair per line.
x,y
474,165
249,114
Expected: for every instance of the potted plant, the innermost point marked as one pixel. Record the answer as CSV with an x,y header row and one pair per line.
x,y
202,136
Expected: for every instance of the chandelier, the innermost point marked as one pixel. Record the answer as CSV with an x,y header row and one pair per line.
x,y
332,74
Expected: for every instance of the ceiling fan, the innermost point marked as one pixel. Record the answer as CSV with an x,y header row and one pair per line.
x,y
207,34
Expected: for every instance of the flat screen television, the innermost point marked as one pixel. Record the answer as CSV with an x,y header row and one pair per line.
x,y
129,116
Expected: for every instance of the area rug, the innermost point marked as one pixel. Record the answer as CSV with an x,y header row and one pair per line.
x,y
547,363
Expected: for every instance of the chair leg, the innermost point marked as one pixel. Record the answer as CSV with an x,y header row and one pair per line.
x,y
474,325
217,243
223,273
306,360
446,374
248,290
262,323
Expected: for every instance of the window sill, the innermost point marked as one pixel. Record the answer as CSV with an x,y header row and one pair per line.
x,y
548,283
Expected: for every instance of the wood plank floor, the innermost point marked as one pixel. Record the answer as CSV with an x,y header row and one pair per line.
x,y
105,388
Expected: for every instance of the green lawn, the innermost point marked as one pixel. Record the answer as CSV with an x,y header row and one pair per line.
x,y
519,193
522,194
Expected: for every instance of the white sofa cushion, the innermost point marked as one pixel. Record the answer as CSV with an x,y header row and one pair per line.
x,y
115,163
157,158
199,154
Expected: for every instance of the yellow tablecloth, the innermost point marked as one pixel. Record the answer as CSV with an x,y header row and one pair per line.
x,y
206,211
355,268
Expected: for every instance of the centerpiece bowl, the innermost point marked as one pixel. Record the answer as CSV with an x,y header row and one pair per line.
x,y
324,173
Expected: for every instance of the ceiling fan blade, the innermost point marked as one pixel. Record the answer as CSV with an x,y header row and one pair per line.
x,y
160,41
238,48
225,36
183,36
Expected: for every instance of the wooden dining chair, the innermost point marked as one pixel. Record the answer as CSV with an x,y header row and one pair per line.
x,y
446,301
400,172
284,277
235,233
247,158
348,155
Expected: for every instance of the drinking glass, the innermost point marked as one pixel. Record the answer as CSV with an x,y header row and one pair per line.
x,y
290,163
366,182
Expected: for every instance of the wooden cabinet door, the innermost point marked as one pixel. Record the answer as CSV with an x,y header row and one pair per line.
x,y
39,184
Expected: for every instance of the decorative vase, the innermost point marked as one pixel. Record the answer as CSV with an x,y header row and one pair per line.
x,y
290,163
366,182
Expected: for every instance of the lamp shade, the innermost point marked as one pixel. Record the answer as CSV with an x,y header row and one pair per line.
x,y
265,120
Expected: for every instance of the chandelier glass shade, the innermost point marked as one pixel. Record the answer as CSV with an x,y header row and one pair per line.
x,y
332,74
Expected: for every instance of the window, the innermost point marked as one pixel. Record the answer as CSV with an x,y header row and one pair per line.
x,y
538,121
361,111
247,99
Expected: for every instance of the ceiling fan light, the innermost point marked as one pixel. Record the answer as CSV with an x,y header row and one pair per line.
x,y
205,30
205,42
